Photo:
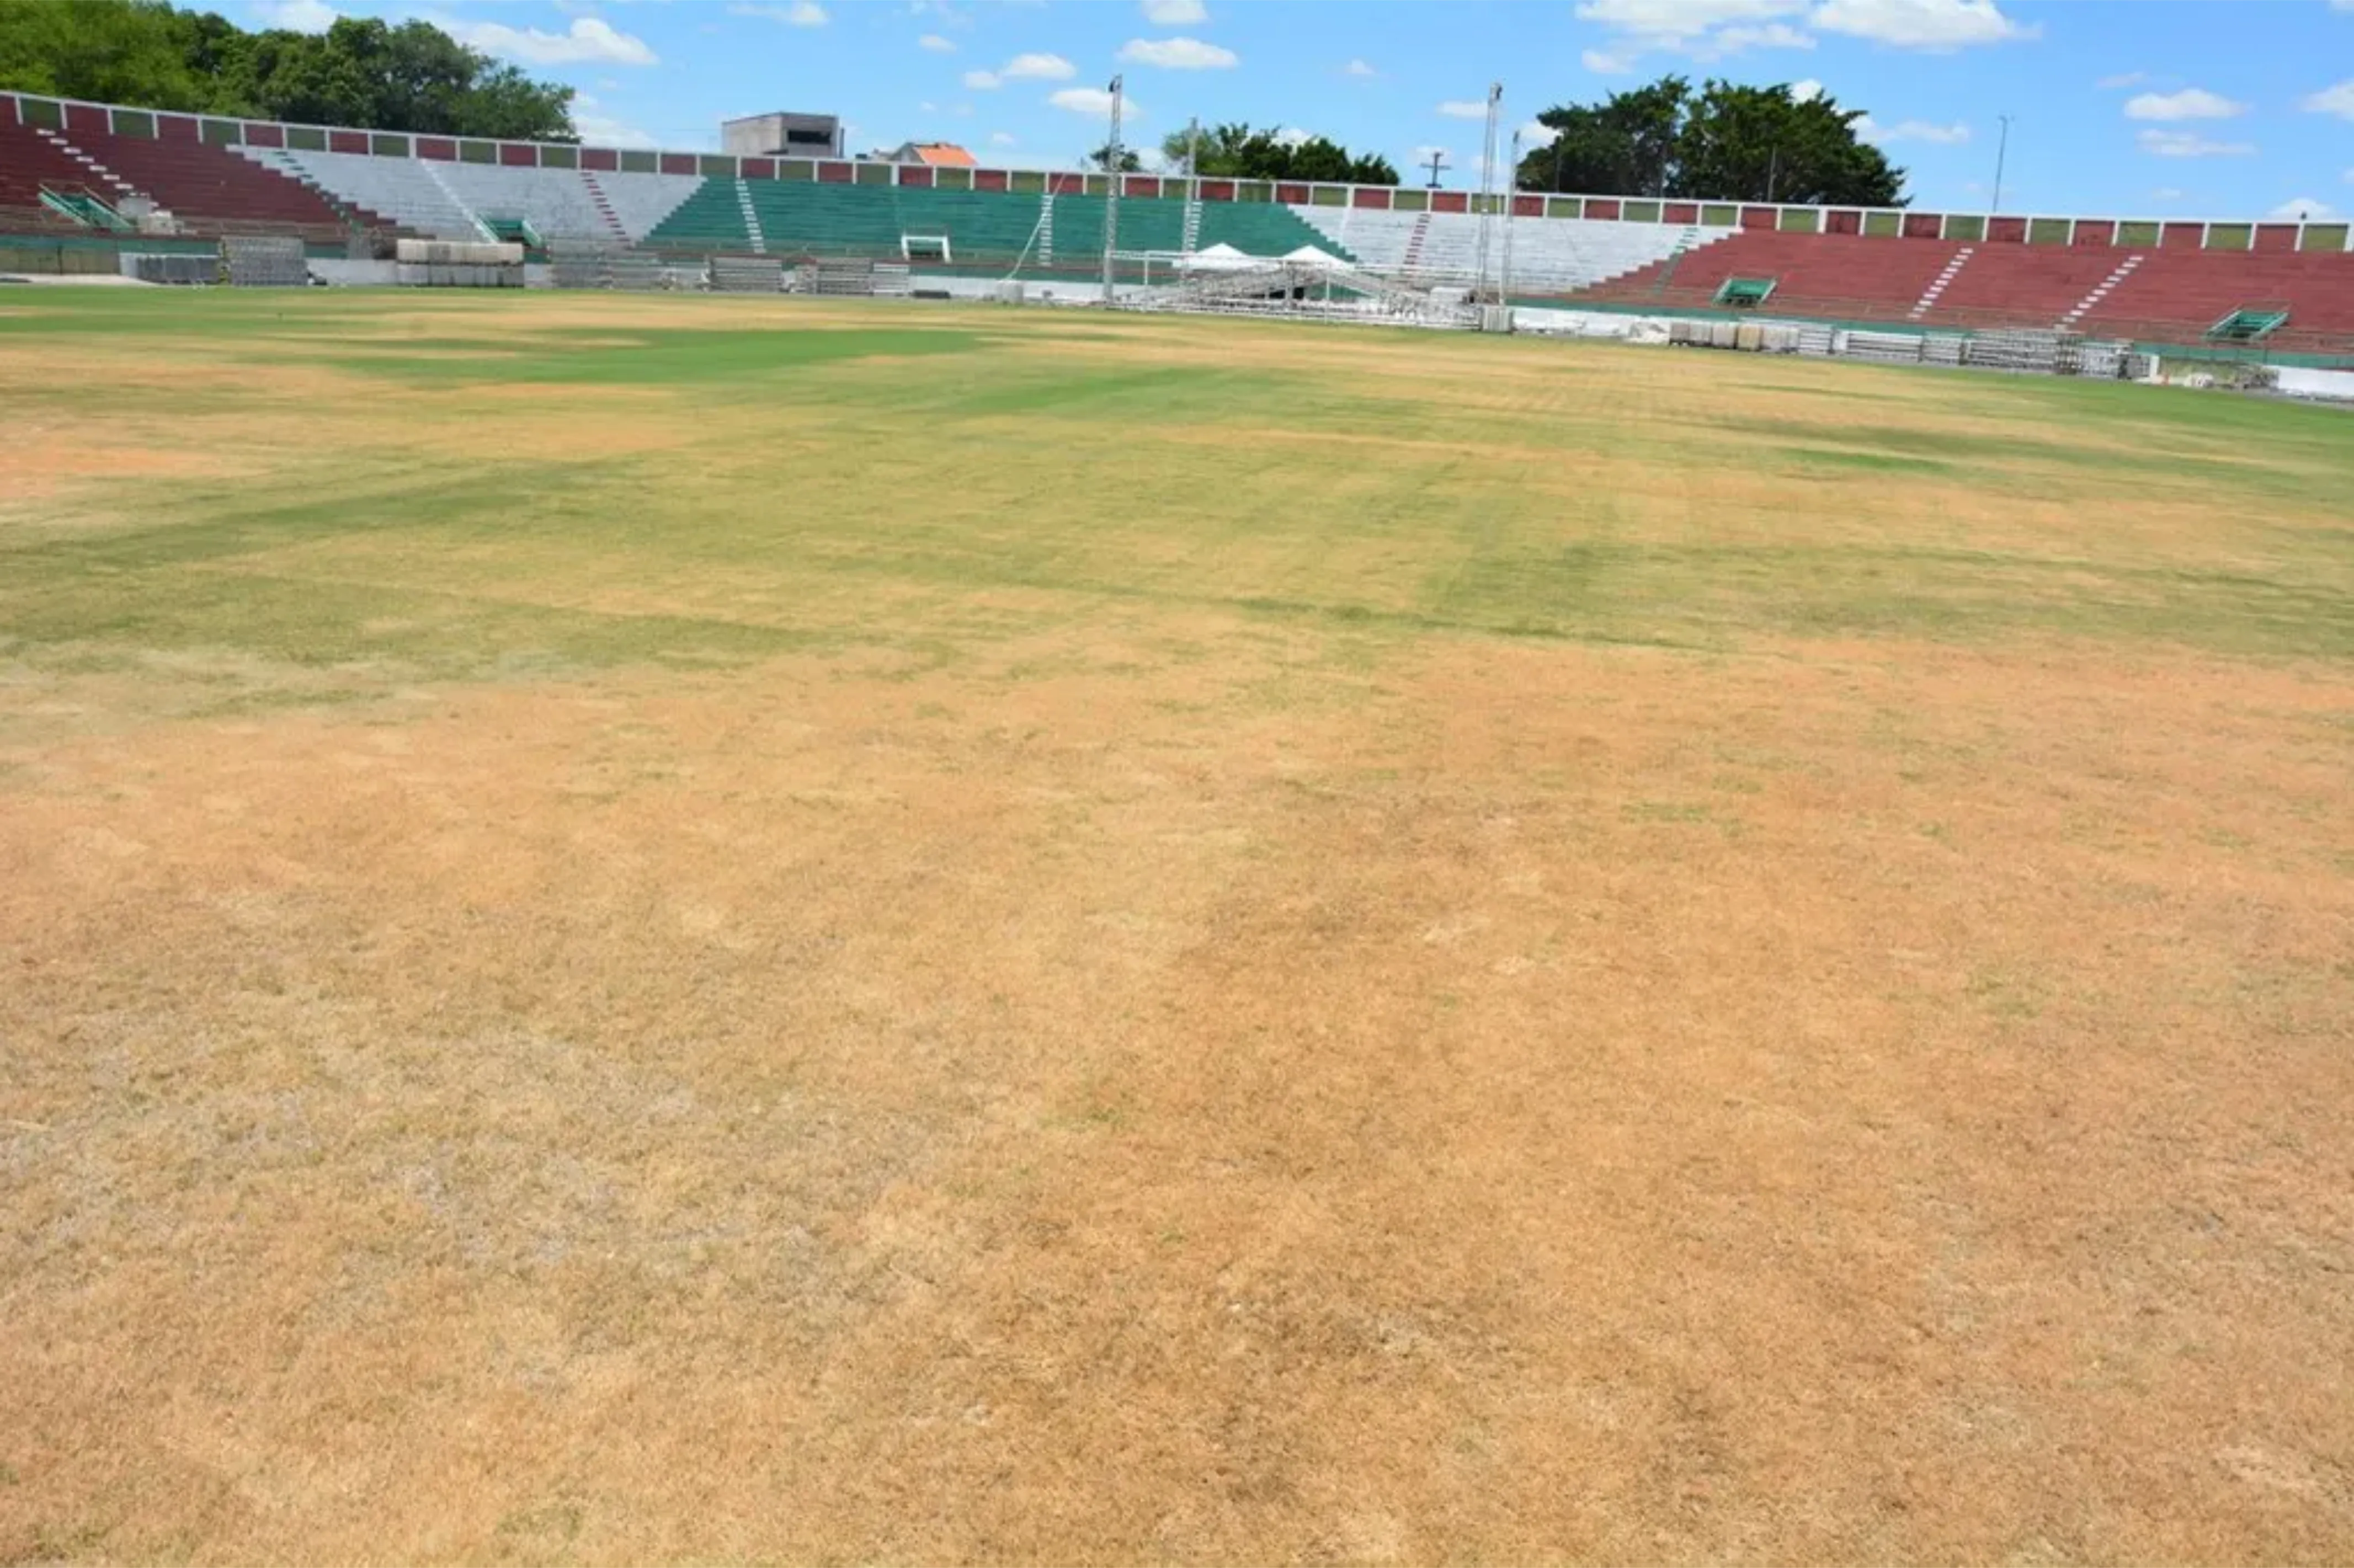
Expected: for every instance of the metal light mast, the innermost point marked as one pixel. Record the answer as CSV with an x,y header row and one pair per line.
x,y
2001,151
1111,207
1487,189
1512,184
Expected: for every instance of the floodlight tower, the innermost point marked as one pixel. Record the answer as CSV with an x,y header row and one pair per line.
x,y
1111,207
1487,188
1511,182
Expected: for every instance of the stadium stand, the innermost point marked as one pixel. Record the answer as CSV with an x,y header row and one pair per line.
x,y
1865,280
207,188
29,163
2200,288
1549,255
2038,285
2178,294
564,203
400,189
89,171
450,200
639,202
710,221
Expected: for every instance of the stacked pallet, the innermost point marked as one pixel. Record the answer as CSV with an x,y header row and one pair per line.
x,y
843,275
264,261
600,264
747,275
176,268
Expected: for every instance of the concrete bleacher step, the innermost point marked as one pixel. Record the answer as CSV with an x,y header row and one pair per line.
x,y
122,188
1939,284
751,219
1414,241
2101,290
604,206
277,163
470,216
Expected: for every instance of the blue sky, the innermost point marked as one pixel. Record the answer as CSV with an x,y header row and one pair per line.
x,y
2148,107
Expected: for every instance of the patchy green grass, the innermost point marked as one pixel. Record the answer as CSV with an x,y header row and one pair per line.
x,y
709,478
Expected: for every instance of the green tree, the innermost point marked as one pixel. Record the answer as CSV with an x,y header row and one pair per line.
x,y
1739,143
1101,158
122,51
1623,146
361,72
1238,150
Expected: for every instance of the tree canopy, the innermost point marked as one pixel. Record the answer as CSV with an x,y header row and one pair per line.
x,y
1243,152
362,72
1739,143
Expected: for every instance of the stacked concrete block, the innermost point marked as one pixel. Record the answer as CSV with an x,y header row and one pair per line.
x,y
459,264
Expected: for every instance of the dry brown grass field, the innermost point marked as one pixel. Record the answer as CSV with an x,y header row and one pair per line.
x,y
642,929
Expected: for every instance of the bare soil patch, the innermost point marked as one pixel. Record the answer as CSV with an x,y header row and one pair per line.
x,y
1499,1101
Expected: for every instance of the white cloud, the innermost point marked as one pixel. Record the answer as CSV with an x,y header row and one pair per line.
x,y
2123,79
1092,101
589,38
1292,136
1359,69
2337,100
799,13
1038,68
1911,131
1770,35
1704,29
2166,193
297,15
1175,13
2190,104
1806,90
1708,30
937,44
1681,19
1935,25
927,107
603,130
1178,54
2303,208
1464,109
1002,138
1022,68
1537,133
2191,144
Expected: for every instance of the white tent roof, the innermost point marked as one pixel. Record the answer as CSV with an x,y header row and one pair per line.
x,y
1315,258
1221,258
